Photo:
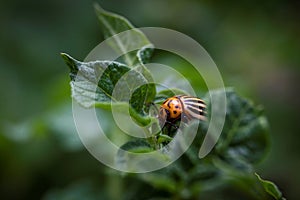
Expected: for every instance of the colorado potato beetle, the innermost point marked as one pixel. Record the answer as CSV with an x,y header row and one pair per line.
x,y
181,108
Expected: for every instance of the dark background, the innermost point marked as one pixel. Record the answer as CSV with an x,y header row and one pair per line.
x,y
255,44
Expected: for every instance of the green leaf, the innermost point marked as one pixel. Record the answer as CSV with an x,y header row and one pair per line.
x,y
167,93
144,93
137,146
245,136
124,158
145,53
93,84
163,138
112,24
270,188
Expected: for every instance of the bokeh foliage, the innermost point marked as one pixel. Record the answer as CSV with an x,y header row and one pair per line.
x,y
255,45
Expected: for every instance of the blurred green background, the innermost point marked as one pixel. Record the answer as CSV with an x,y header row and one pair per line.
x,y
255,44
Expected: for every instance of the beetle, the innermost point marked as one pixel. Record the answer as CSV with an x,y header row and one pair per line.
x,y
181,108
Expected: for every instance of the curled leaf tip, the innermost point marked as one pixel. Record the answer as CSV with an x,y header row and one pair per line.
x,y
71,62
